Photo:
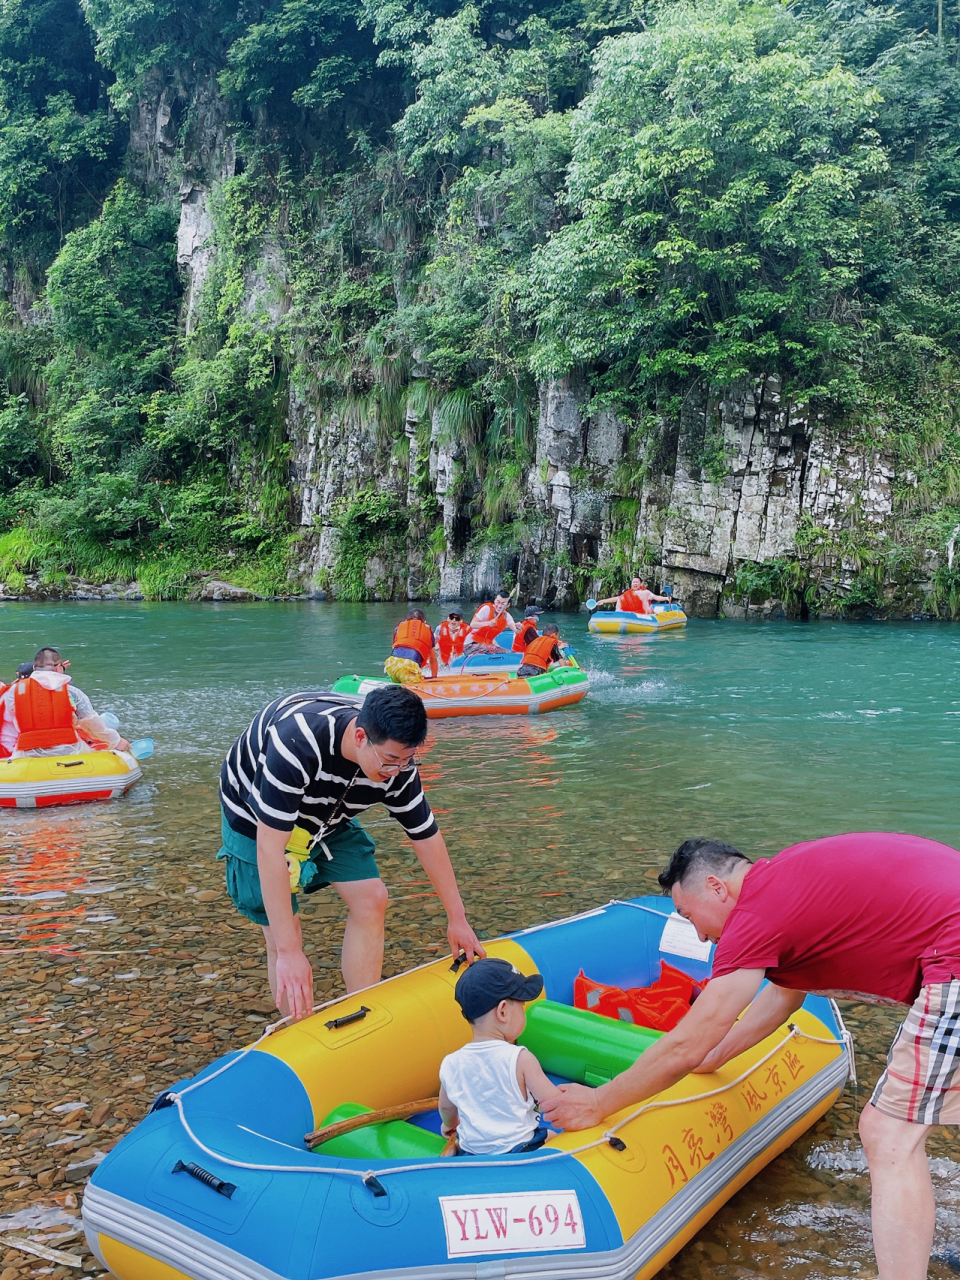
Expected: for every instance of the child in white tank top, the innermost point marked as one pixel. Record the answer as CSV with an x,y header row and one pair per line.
x,y
490,1089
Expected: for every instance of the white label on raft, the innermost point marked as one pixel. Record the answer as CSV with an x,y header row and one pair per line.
x,y
368,686
679,938
515,1222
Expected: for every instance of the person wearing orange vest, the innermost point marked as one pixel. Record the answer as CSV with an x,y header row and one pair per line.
x,y
542,653
413,649
526,630
42,716
635,600
487,623
451,635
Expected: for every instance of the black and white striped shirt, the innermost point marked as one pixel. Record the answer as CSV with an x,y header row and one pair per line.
x,y
288,770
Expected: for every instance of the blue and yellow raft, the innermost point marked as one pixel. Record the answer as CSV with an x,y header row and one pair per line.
x,y
618,623
216,1184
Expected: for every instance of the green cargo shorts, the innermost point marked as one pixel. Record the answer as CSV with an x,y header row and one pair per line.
x,y
352,859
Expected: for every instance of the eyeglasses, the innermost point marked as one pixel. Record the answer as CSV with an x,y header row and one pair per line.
x,y
413,763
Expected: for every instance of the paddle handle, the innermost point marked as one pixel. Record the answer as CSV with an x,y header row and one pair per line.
x,y
400,1112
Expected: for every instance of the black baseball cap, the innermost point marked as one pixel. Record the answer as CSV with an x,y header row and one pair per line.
x,y
455,613
481,987
25,669
532,612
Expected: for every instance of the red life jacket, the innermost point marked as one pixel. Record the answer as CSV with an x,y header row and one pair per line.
x,y
526,634
538,652
414,634
44,717
4,753
632,602
448,643
660,1006
487,632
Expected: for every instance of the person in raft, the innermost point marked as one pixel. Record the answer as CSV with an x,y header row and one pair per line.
x,y
43,713
413,649
636,600
487,623
313,761
543,652
870,917
451,635
491,1089
527,629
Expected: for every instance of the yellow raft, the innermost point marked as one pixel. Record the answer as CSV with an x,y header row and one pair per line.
x,y
34,782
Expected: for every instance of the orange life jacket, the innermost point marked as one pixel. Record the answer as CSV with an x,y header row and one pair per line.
x,y
44,717
660,1006
632,602
4,753
414,634
448,643
523,635
538,652
487,632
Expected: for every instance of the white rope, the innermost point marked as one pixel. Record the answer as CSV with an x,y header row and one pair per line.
x,y
536,1158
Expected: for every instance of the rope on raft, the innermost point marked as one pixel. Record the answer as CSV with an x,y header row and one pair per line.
x,y
176,1099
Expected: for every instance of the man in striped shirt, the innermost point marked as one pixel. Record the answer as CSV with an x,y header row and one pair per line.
x,y
314,762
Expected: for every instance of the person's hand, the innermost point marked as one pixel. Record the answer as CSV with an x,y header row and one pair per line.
x,y
448,1130
294,984
123,744
573,1107
462,938
712,1062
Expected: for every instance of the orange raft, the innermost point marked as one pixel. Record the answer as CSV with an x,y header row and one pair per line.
x,y
487,695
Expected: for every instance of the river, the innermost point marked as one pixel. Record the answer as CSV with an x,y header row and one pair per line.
x,y
124,966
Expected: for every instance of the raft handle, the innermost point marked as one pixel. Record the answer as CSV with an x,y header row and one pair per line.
x,y
460,960
373,1183
618,1144
208,1179
72,764
346,1020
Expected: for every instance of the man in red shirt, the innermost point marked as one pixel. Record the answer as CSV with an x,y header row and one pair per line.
x,y
870,917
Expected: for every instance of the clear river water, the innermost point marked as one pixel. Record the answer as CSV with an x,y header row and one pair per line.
x,y
123,966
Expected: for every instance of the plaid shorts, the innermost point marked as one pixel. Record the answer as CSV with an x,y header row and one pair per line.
x,y
921,1082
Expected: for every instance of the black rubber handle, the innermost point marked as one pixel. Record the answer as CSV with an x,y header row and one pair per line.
x,y
72,764
208,1179
347,1018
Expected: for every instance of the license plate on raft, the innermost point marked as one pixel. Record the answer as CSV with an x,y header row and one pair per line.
x,y
517,1222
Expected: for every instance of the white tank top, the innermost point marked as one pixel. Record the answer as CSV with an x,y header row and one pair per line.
x,y
481,1081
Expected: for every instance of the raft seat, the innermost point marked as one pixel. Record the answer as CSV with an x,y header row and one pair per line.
x,y
572,1045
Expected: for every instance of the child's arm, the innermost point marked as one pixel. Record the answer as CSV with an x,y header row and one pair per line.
x,y
533,1079
449,1116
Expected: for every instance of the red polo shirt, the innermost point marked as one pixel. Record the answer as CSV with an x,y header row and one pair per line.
x,y
870,916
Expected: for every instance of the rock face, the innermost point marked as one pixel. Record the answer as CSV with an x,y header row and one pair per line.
x,y
213,589
732,481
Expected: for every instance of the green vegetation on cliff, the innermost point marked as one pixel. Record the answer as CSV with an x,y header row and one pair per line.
x,y
464,199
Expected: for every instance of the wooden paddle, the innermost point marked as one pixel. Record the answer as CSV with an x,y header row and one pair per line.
x,y
400,1112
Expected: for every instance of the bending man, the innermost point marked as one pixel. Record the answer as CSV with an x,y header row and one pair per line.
x,y
313,762
869,917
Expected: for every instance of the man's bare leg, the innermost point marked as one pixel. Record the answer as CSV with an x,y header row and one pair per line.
x,y
902,1207
272,958
362,956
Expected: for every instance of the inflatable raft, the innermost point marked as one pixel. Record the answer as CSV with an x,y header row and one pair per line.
x,y
481,664
487,695
33,782
663,618
216,1183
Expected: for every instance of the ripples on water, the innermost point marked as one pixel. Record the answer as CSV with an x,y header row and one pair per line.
x,y
124,965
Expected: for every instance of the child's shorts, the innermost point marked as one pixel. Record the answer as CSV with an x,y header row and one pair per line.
x,y
538,1139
